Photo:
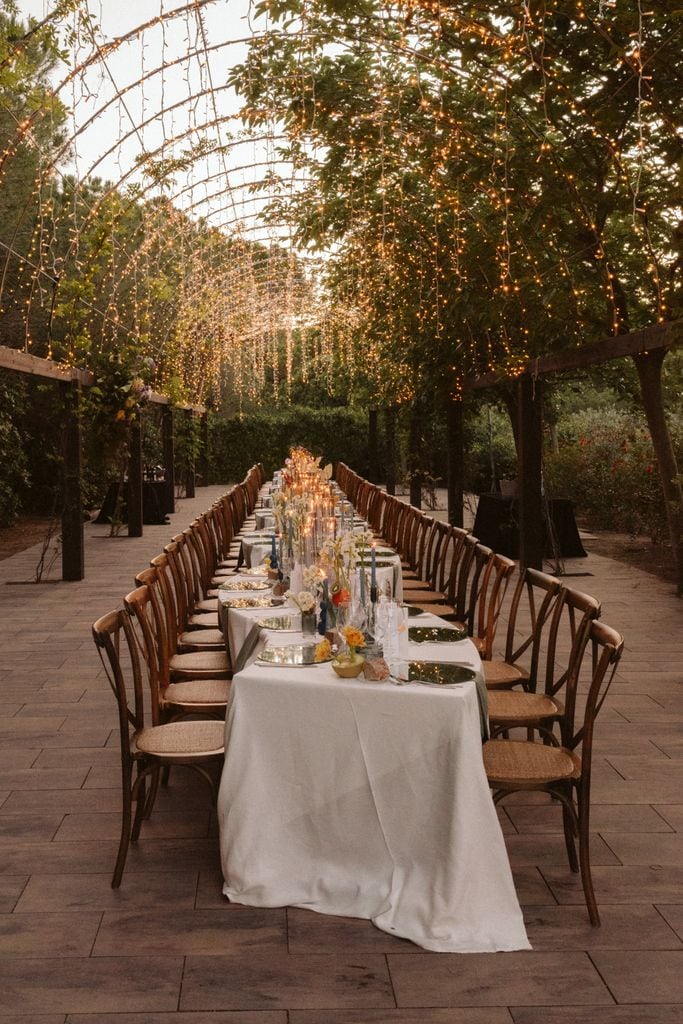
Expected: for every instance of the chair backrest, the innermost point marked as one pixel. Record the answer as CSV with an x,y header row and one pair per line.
x,y
238,507
590,680
563,643
145,607
494,584
409,545
471,584
427,547
128,675
222,525
455,551
183,576
107,633
173,606
531,610
391,511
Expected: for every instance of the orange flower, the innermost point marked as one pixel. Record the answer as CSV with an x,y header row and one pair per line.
x,y
354,637
341,596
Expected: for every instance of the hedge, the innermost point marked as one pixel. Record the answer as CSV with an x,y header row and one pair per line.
x,y
235,444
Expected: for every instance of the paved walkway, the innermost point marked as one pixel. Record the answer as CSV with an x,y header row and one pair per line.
x,y
167,949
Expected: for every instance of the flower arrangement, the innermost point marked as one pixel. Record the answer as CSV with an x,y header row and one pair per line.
x,y
339,555
354,638
304,600
350,665
323,651
313,577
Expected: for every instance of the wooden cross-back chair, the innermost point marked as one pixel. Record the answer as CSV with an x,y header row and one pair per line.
x,y
531,610
147,746
562,647
146,603
564,770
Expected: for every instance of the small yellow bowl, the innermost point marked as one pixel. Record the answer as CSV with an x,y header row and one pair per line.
x,y
348,669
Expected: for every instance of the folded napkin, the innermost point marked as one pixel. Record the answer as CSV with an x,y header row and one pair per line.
x,y
247,649
400,670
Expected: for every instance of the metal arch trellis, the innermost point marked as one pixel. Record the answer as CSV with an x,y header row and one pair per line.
x,y
450,20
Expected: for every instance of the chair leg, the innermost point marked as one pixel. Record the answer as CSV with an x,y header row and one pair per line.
x,y
569,832
139,792
584,858
126,818
152,795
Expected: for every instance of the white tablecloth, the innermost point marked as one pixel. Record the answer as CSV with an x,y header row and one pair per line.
x,y
366,800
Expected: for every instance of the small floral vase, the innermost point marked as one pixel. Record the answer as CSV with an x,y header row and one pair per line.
x,y
308,623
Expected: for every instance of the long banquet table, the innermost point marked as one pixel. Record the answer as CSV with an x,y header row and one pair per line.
x,y
366,800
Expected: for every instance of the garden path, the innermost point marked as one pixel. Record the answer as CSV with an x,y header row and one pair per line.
x,y
167,949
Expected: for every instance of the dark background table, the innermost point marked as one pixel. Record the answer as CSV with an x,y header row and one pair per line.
x,y
154,503
497,525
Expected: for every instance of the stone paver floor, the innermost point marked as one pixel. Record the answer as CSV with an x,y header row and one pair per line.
x,y
167,948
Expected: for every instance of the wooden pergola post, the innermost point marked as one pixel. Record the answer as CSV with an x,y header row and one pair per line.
x,y
373,452
455,475
134,490
189,469
73,537
415,455
530,462
168,445
390,442
204,457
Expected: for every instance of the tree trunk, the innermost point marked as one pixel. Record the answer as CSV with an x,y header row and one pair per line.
x,y
530,472
390,441
373,447
415,456
649,367
455,469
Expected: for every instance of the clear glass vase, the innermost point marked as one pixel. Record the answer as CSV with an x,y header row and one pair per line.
x,y
308,623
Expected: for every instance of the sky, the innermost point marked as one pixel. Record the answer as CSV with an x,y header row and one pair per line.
x,y
110,133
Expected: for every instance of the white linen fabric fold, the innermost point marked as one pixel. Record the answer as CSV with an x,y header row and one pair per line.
x,y
366,800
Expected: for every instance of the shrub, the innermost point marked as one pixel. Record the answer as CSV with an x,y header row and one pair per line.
x,y
13,465
606,465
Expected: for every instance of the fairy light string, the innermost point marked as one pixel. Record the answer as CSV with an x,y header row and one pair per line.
x,y
400,193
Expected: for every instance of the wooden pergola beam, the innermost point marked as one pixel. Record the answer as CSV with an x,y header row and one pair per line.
x,y
24,362
621,345
158,399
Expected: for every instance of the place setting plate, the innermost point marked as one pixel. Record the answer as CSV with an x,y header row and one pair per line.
x,y
281,623
439,673
251,602
247,585
435,634
294,656
257,570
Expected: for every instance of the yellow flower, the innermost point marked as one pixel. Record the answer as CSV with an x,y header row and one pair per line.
x,y
353,636
121,415
323,651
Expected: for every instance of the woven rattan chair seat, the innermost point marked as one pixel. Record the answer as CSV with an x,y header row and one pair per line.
x,y
521,763
502,675
204,620
444,611
180,739
513,706
203,638
210,663
198,691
